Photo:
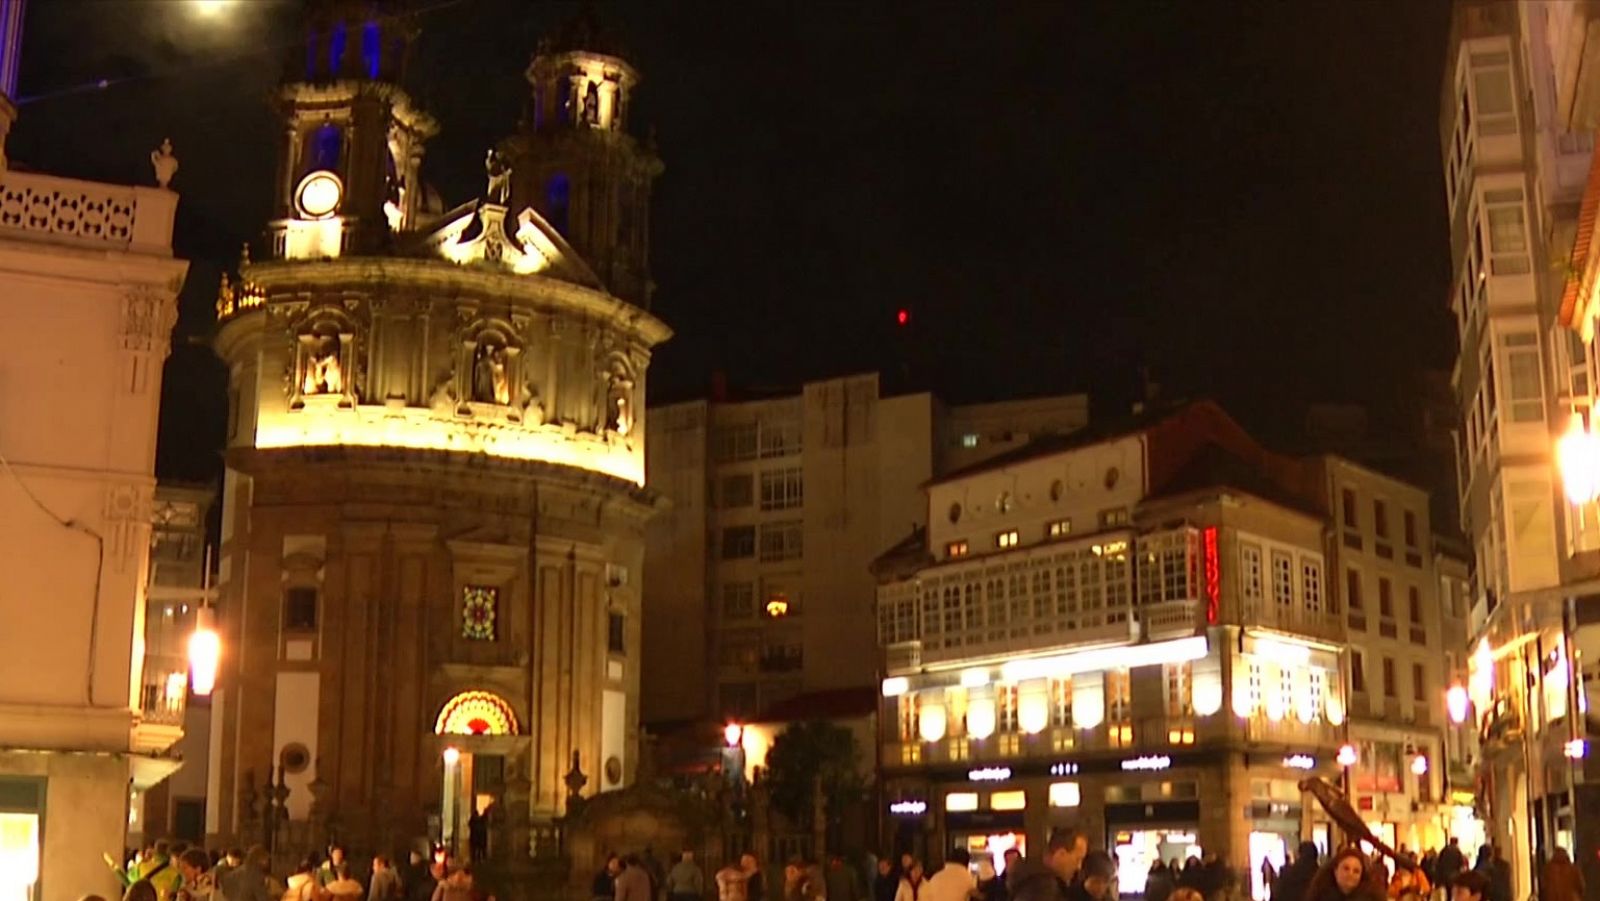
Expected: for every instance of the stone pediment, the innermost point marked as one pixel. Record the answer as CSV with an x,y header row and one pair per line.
x,y
486,234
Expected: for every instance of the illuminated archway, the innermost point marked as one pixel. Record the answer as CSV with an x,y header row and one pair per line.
x,y
476,713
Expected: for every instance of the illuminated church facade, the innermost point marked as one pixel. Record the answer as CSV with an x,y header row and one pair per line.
x,y
434,501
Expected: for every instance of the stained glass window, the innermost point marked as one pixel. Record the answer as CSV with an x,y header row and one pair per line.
x,y
478,609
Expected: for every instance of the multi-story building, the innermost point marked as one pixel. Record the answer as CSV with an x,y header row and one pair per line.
x,y
433,509
1384,565
760,588
179,590
88,290
1518,114
1146,631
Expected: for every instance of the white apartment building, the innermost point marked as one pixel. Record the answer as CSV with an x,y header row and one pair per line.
x,y
1517,118
758,586
87,303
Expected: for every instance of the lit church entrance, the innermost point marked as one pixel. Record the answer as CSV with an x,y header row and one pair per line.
x,y
478,729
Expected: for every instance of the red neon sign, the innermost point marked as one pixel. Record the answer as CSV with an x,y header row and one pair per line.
x,y
1213,575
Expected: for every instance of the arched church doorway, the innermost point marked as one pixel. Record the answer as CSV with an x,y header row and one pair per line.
x,y
476,729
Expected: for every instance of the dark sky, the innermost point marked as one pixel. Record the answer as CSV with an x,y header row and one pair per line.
x,y
1245,197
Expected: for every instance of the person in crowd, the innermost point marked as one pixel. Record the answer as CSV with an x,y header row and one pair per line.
x,y
1409,884
990,886
840,881
1158,884
885,884
1561,879
733,883
1295,879
230,861
1450,864
1348,877
604,886
1098,871
1049,878
457,886
302,882
248,881
1469,885
194,868
1010,857
910,887
1185,894
1499,873
328,873
385,885
801,882
653,869
478,835
755,884
1191,875
141,890
1430,866
1269,874
953,882
633,882
684,880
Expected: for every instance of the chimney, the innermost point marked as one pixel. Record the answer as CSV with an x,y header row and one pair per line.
x,y
10,59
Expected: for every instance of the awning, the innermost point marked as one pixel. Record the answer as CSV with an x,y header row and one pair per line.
x,y
148,772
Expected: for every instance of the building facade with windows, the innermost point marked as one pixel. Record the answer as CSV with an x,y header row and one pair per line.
x,y
759,588
1518,114
432,534
88,289
1400,602
1133,631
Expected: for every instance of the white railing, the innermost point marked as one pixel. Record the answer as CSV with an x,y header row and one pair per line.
x,y
48,206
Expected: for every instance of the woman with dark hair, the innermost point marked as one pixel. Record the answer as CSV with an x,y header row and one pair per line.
x,y
141,890
1348,877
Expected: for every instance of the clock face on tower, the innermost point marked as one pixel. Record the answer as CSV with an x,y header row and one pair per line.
x,y
319,194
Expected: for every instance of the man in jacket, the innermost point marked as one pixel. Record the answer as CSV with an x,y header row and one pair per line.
x,y
1450,864
385,881
1051,878
248,881
1295,879
953,883
633,883
684,881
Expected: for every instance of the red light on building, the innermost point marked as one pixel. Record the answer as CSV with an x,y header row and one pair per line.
x,y
1213,575
902,317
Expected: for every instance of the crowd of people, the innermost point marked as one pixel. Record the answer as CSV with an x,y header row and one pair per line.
x,y
176,872
1353,875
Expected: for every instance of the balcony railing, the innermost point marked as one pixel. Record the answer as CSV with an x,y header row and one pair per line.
x,y
68,209
160,704
1292,618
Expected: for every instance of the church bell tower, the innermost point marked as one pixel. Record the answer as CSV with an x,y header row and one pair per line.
x,y
574,161
352,138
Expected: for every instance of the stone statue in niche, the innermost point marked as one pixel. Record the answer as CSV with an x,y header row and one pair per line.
x,y
499,173
323,374
491,384
591,104
617,108
619,401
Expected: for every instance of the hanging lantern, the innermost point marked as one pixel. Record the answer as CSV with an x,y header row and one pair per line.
x,y
980,717
1033,707
1456,703
205,653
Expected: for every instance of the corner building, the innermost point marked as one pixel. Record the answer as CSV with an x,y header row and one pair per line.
x,y
434,503
1132,630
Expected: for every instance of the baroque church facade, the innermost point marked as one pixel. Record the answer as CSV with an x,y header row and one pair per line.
x,y
434,500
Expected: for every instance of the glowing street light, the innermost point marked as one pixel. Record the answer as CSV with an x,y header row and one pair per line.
x,y
1574,749
1419,765
205,651
1456,702
1578,456
733,734
452,756
1347,755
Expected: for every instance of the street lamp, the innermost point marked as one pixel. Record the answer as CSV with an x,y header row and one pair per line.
x,y
1578,456
733,734
1456,703
1347,758
205,651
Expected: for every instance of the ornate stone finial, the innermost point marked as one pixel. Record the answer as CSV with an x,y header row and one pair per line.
x,y
499,190
225,298
575,778
165,164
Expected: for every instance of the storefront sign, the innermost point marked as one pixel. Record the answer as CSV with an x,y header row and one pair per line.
x,y
1148,763
908,808
1300,762
1063,769
989,774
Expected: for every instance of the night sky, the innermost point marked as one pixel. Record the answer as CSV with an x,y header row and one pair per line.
x,y
1245,197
